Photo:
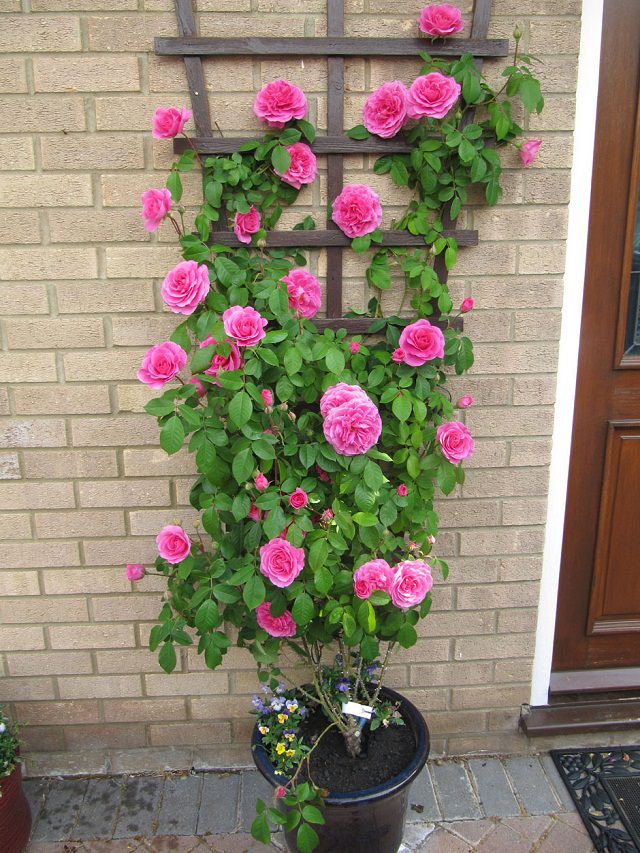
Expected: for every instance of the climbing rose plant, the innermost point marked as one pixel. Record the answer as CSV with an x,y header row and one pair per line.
x,y
319,454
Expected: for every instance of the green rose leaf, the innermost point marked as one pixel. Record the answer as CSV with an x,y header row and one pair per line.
x,y
280,159
401,407
365,519
306,838
172,435
242,466
303,609
334,360
358,132
240,408
167,657
407,636
254,592
207,616
174,185
312,814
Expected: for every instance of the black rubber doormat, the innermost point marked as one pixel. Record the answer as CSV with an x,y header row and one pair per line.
x,y
605,787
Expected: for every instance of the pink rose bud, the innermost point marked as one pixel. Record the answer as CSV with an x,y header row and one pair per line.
x,y
354,347
278,102
465,401
421,342
398,355
244,324
185,287
385,111
402,490
303,168
431,540
155,206
168,123
305,295
432,96
173,544
529,151
267,397
327,515
441,20
199,386
322,475
246,224
466,305
280,562
357,210
261,482
135,571
298,499
280,792
254,512
161,363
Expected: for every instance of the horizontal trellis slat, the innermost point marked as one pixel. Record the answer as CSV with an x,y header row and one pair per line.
x,y
322,145
361,325
328,239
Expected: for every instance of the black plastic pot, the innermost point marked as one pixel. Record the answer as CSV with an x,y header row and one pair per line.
x,y
371,820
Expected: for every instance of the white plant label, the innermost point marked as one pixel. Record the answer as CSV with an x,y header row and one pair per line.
x,y
355,709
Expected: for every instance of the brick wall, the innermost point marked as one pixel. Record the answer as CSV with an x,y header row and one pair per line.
x,y
84,485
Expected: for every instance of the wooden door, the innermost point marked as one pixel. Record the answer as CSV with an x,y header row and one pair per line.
x,y
598,620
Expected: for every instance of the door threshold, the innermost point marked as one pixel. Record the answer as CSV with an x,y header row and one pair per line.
x,y
581,715
595,680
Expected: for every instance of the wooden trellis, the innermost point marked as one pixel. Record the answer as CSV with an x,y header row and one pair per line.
x,y
334,47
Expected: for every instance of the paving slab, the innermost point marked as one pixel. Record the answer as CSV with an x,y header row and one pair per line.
x,y
219,803
180,805
494,790
100,809
254,786
139,806
556,782
532,785
423,805
456,798
35,791
60,810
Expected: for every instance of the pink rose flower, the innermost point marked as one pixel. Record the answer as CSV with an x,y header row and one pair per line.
x,y
529,151
385,110
233,361
398,355
185,287
353,428
402,490
261,482
432,95
341,393
254,513
267,397
442,20
135,571
298,499
244,324
173,544
281,562
465,401
455,441
466,305
276,626
303,168
278,102
411,582
357,210
305,296
354,347
169,122
246,224
161,363
200,389
376,574
280,792
155,206
421,342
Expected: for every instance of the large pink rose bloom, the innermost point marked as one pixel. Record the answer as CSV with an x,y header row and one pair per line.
x,y
246,325
385,111
155,206
376,574
185,287
411,582
455,441
281,562
357,210
246,224
233,361
305,296
278,102
441,20
161,363
276,626
353,427
421,342
341,393
173,544
168,123
529,151
432,95
303,168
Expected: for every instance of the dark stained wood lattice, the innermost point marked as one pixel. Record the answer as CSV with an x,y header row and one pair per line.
x,y
335,46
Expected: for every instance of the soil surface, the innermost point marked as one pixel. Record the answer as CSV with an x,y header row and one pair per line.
x,y
385,753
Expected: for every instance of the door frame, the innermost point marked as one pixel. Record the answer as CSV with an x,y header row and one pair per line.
x,y
574,275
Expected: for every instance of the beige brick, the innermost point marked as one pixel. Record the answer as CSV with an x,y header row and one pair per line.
x,y
540,390
128,32
40,113
488,454
39,264
218,731
127,661
36,495
530,452
493,648
520,568
62,464
490,696
45,190
13,77
445,674
123,493
110,364
39,32
444,722
132,331
41,610
39,713
155,462
126,608
32,367
44,739
497,596
32,433
124,190
102,687
182,684
5,407
147,522
19,583
514,621
94,151
14,525
17,153
111,431
508,541
15,689
87,73
68,581
134,112
48,663
155,261
60,525
453,623
62,400
19,637
24,298
503,482
553,37
28,555
9,466
109,552
104,297
547,187
58,333
102,636
537,325
99,226
520,292
541,258
132,710
510,671
113,737
538,223
468,513
515,358
133,398
19,226
525,511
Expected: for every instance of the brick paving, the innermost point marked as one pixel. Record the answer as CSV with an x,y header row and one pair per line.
x,y
488,804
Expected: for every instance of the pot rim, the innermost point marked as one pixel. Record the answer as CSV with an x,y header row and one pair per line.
x,y
385,789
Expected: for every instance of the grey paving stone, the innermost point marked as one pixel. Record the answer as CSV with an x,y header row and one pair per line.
x,y
139,806
422,799
99,809
219,803
556,781
254,786
180,804
35,791
531,785
457,799
60,810
494,791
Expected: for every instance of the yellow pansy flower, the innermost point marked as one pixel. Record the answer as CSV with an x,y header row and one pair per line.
x,y
280,748
290,753
282,718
